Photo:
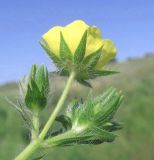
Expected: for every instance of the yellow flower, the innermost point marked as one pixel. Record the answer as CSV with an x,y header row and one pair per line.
x,y
79,48
73,33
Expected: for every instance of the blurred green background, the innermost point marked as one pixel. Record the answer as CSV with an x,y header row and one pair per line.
x,y
134,142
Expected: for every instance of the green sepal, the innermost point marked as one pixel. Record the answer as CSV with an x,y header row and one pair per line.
x,y
91,60
33,72
85,83
56,60
65,52
98,136
40,78
103,96
54,133
112,126
85,74
98,73
88,136
65,121
34,99
46,83
109,108
71,110
39,157
63,72
81,49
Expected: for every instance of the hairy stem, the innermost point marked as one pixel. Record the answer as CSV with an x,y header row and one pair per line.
x,y
58,107
29,150
35,130
34,145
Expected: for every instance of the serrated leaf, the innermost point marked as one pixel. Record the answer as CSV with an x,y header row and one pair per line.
x,y
65,121
65,52
81,49
53,56
91,60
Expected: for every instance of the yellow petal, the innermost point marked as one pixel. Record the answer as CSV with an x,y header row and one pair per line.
x,y
94,40
73,33
108,52
95,32
52,38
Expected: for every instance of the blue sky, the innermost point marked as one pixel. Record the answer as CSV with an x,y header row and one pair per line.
x,y
129,23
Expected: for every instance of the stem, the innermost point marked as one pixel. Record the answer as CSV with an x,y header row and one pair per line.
x,y
35,130
58,107
29,150
33,146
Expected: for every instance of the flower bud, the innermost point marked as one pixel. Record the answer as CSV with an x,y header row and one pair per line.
x,y
37,89
91,122
80,48
95,112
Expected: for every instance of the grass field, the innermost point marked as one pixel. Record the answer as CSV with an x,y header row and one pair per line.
x,y
134,142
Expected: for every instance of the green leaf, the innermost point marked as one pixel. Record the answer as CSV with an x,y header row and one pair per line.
x,y
53,56
91,60
81,49
65,52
